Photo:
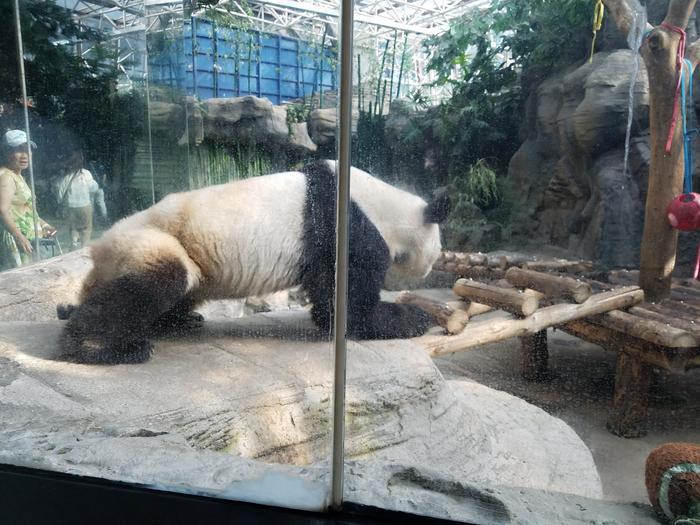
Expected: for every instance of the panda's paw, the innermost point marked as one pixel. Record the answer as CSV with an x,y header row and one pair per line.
x,y
64,311
391,321
413,322
121,353
177,324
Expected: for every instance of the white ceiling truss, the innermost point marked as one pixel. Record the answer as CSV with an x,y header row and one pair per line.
x,y
126,22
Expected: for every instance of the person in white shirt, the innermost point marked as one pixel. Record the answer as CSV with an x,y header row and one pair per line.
x,y
76,191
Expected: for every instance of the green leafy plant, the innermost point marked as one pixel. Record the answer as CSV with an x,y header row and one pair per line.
x,y
297,112
489,62
479,186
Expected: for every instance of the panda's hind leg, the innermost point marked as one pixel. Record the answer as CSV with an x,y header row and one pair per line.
x,y
114,321
179,319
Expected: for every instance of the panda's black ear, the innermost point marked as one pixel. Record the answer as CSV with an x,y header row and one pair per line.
x,y
438,209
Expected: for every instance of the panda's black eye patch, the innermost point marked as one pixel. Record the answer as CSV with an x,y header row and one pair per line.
x,y
401,258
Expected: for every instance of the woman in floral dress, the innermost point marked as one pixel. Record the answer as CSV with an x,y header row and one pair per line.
x,y
16,204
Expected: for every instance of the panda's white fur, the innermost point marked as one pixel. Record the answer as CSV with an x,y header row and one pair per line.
x,y
245,238
236,240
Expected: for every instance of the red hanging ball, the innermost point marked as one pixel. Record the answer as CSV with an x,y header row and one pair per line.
x,y
684,212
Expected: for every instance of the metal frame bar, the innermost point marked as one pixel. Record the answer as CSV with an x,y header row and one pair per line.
x,y
25,105
342,251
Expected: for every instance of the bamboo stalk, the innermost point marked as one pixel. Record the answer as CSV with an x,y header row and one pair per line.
x,y
359,85
393,65
403,58
320,80
381,108
379,76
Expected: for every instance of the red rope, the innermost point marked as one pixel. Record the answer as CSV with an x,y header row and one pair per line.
x,y
680,55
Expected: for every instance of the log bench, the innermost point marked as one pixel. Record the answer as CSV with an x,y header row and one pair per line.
x,y
664,335
611,314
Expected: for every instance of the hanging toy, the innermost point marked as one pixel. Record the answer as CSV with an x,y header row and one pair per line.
x,y
684,211
598,12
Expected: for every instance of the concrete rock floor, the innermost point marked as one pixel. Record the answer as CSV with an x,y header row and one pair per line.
x,y
580,393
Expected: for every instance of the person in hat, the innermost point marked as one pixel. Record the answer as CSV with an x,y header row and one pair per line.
x,y
16,203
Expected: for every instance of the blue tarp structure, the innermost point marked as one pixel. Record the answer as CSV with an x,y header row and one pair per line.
x,y
217,62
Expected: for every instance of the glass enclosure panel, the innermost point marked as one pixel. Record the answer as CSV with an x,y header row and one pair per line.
x,y
482,391
188,125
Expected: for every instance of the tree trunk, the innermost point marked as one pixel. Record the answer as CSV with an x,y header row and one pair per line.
x,y
658,250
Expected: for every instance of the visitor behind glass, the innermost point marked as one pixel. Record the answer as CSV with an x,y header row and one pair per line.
x,y
16,203
76,192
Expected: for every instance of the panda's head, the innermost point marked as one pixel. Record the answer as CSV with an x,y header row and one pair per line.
x,y
415,246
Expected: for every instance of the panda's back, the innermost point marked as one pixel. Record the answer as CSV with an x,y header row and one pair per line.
x,y
245,237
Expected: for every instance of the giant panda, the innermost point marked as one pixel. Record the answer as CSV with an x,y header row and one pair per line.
x,y
245,238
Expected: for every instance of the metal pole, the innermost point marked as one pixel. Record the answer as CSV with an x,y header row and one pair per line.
x,y
23,84
342,255
146,74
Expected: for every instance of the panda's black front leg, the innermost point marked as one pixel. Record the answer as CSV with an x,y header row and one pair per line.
x,y
389,321
368,317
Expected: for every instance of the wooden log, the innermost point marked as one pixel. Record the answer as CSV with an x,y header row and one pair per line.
x,y
448,257
692,293
535,356
674,320
466,270
492,330
478,309
630,398
613,340
510,300
462,269
480,272
472,308
494,261
449,267
478,259
503,283
690,310
452,320
515,259
552,286
660,50
559,265
693,283
626,277
653,331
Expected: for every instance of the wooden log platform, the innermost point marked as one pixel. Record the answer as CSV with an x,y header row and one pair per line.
x,y
611,312
492,330
648,335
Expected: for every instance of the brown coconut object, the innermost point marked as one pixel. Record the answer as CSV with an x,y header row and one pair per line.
x,y
684,488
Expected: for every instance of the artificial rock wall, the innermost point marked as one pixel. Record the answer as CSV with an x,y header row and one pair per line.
x,y
569,170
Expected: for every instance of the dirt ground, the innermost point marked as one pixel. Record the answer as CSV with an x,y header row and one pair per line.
x,y
580,393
